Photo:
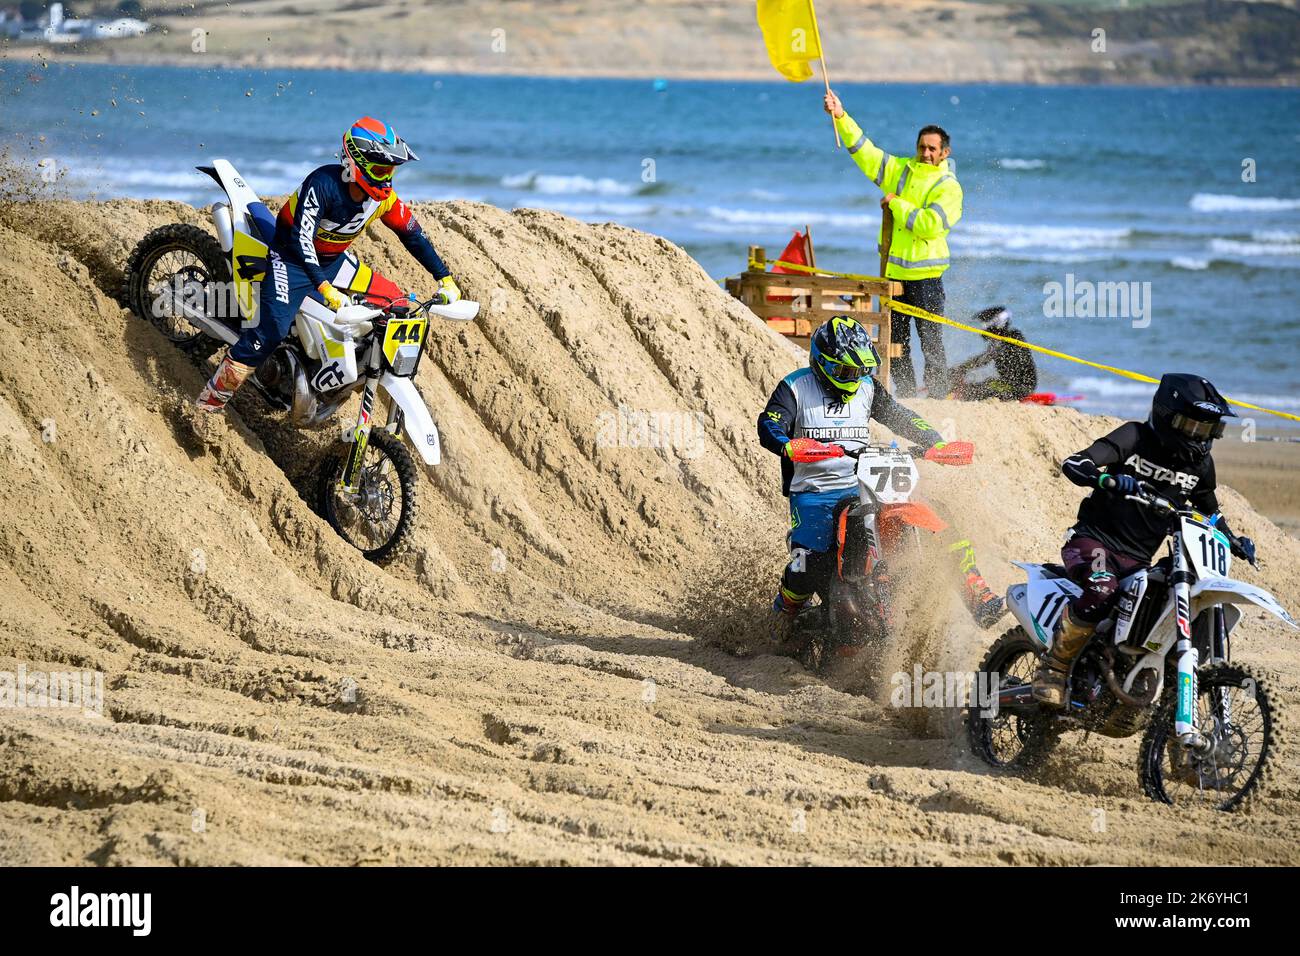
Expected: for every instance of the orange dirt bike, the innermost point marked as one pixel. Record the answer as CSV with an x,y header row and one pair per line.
x,y
875,537
199,290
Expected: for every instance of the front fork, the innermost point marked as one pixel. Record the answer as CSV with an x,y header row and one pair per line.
x,y
1186,711
350,480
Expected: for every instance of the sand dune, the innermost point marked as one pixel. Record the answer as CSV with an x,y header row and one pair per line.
x,y
543,677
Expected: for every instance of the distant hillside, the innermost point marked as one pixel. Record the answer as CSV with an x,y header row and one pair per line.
x,y
1210,41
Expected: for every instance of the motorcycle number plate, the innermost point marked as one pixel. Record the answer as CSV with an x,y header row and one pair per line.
x,y
401,333
888,476
1207,549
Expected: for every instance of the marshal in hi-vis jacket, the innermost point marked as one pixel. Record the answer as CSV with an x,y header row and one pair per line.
x,y
927,205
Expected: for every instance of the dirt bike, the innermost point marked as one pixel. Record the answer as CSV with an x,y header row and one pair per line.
x,y
1160,663
872,537
199,290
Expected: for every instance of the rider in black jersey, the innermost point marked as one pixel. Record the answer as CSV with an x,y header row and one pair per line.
x,y
1170,454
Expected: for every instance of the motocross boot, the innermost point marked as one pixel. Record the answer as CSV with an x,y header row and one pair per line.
x,y
985,606
785,609
1054,669
222,386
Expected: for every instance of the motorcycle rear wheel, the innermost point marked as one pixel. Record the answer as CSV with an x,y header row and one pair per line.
x,y
1007,740
379,520
1236,769
176,254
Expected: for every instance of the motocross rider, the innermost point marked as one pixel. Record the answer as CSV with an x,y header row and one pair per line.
x,y
334,204
1113,537
835,398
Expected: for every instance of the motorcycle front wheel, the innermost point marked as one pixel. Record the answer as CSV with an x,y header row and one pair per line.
x,y
1235,713
378,519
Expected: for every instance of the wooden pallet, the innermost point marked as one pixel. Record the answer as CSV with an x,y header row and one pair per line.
x,y
795,305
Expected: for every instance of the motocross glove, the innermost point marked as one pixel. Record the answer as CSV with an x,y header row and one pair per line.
x,y
450,291
331,296
1119,484
810,449
1244,548
951,452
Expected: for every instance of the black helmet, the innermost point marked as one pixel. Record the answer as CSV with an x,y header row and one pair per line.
x,y
995,318
1187,414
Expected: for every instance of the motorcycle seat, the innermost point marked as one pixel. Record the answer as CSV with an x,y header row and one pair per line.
x,y
262,220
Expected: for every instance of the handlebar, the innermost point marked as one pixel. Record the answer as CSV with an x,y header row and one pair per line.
x,y
1147,497
916,451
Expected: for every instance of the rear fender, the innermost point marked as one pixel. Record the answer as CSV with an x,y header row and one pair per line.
x,y
1039,602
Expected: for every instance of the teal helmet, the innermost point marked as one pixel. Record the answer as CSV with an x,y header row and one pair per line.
x,y
841,355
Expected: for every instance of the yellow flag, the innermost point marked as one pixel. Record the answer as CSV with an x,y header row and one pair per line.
x,y
790,33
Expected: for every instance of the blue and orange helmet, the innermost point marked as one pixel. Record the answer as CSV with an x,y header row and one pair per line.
x,y
372,151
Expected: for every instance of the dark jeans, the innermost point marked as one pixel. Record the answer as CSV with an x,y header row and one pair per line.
x,y
1097,569
923,294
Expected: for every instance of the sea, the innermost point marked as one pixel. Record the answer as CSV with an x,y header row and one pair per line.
x,y
1151,229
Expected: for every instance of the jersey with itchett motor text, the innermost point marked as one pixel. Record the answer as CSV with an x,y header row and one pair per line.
x,y
802,407
1128,526
321,219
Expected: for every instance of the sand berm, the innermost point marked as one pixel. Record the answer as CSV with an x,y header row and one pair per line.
x,y
563,667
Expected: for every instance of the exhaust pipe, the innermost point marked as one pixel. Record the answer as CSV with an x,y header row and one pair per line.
x,y
201,321
225,226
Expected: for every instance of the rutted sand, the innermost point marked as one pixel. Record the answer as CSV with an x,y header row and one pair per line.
x,y
502,666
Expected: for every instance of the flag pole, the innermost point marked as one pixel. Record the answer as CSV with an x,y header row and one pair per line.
x,y
821,55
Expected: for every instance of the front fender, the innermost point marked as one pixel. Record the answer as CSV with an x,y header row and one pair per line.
x,y
1210,591
416,419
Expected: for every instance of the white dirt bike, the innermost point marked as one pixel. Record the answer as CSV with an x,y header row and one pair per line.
x,y
1160,662
199,291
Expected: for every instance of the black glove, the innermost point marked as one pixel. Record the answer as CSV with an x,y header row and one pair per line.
x,y
1242,547
1120,484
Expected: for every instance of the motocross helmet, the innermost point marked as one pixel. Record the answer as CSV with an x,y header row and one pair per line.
x,y
996,318
1187,415
372,151
840,353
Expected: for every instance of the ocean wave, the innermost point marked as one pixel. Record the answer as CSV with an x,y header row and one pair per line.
x,y
1007,255
1012,162
107,178
1275,235
557,185
1001,236
1094,385
1232,247
1189,262
1220,202
582,209
791,217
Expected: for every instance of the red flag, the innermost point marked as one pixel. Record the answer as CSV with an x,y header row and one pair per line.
x,y
796,251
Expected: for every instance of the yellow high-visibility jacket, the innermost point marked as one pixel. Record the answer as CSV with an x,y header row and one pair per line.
x,y
927,205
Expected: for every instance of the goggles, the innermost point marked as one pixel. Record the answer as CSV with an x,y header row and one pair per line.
x,y
1196,428
380,174
845,373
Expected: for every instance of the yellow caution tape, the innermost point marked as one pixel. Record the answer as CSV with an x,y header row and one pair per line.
x,y
932,317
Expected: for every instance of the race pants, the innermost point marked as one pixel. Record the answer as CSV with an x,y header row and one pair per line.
x,y
925,294
1098,570
283,289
